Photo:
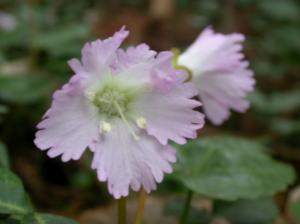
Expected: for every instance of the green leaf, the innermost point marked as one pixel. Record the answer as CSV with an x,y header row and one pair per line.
x,y
4,161
61,35
261,211
46,219
23,89
64,39
230,168
13,199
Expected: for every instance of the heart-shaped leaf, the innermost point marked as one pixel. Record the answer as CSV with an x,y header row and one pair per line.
x,y
230,168
13,199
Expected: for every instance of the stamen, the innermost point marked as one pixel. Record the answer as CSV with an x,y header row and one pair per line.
x,y
125,120
90,95
105,127
141,122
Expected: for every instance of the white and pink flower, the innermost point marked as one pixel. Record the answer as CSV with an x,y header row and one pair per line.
x,y
125,106
220,73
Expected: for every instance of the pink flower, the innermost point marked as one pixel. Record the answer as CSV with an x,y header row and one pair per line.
x,y
125,106
220,73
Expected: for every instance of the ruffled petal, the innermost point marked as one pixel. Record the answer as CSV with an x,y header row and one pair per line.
x,y
140,65
133,66
125,162
163,75
70,125
133,56
213,51
98,56
170,115
221,92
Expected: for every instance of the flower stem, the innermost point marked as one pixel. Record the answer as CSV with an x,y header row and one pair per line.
x,y
141,207
122,210
187,205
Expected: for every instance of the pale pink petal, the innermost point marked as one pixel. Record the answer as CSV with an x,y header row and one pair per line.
x,y
70,125
125,162
170,116
77,67
221,92
141,54
140,65
97,56
163,75
213,51
133,66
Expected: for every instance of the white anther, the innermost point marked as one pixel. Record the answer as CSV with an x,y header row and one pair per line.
x,y
141,122
90,95
105,127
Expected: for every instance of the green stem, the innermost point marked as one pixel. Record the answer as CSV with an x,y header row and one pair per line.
x,y
187,206
122,210
141,207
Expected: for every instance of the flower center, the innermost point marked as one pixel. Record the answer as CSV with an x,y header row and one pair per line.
x,y
106,102
112,99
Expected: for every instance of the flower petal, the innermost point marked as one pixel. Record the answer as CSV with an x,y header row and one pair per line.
x,y
170,115
140,65
133,56
213,51
163,75
133,66
98,55
70,125
123,161
221,92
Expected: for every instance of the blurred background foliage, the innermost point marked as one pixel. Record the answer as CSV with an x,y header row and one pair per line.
x,y
37,37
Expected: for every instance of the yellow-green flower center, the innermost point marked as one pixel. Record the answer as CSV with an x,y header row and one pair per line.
x,y
113,98
113,101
